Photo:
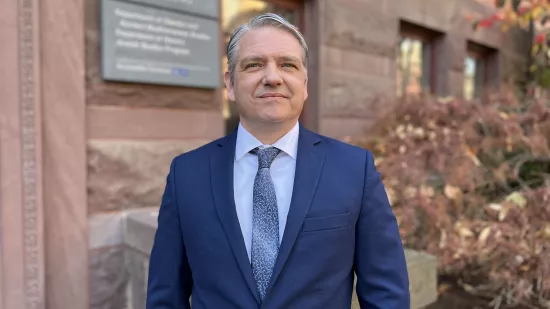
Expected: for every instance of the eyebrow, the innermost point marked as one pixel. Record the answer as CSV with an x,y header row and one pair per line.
x,y
262,58
290,59
252,58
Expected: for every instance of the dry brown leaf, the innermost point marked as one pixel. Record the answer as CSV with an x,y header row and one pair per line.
x,y
463,230
471,154
400,129
427,191
495,206
509,143
452,192
418,132
410,192
503,213
443,239
444,287
392,197
482,240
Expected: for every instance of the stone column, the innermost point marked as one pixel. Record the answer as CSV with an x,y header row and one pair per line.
x,y
64,155
22,272
43,221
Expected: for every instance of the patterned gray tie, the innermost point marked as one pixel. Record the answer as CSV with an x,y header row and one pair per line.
x,y
265,220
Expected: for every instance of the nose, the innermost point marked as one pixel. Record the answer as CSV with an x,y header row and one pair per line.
x,y
272,75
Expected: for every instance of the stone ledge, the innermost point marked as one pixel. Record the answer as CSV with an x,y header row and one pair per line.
x,y
105,230
138,236
139,232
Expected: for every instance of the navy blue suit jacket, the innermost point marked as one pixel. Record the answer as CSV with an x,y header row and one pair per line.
x,y
339,223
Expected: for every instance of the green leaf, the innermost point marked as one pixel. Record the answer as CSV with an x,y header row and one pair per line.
x,y
544,77
517,199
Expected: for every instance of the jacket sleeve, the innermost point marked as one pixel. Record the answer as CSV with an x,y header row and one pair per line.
x,y
380,265
169,281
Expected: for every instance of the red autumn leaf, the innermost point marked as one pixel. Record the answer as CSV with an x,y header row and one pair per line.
x,y
488,22
496,17
523,10
540,38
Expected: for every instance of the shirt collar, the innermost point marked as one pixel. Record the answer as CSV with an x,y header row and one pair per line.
x,y
246,142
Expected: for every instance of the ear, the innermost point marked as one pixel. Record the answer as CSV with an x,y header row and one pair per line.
x,y
305,90
229,86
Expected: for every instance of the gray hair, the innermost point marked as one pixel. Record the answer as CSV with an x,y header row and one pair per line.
x,y
260,21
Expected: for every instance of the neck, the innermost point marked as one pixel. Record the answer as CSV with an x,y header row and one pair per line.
x,y
268,134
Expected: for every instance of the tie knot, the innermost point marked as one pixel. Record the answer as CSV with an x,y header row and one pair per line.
x,y
265,156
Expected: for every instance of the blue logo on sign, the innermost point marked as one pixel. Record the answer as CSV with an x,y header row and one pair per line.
x,y
180,72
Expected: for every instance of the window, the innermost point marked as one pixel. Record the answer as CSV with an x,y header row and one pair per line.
x,y
412,72
416,60
238,12
480,70
470,69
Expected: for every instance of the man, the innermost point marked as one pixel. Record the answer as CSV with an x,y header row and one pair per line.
x,y
274,216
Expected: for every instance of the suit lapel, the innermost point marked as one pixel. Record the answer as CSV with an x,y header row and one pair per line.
x,y
309,164
221,175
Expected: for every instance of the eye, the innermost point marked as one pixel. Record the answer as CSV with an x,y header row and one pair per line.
x,y
289,65
252,65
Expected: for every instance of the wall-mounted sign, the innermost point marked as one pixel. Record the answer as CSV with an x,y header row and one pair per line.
x,y
151,44
207,8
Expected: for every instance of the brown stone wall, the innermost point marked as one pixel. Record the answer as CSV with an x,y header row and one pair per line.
x,y
108,278
358,52
357,63
133,132
135,129
130,174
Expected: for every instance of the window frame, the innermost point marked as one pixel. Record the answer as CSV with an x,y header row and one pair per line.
x,y
486,73
430,47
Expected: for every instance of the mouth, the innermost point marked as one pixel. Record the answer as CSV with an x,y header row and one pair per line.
x,y
272,95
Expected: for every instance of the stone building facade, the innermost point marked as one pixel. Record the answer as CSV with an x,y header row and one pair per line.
x,y
78,154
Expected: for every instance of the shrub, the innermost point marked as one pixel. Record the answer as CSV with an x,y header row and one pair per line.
x,y
468,182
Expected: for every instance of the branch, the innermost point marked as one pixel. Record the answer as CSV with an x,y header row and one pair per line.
x,y
529,159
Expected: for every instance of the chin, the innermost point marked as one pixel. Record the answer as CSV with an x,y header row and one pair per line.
x,y
276,118
273,120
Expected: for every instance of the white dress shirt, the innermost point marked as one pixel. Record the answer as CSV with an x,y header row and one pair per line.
x,y
244,173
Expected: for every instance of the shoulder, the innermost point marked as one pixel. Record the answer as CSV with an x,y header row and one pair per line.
x,y
342,150
198,155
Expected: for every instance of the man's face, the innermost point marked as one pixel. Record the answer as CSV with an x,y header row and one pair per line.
x,y
270,84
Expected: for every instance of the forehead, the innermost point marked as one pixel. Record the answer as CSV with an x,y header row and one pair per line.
x,y
269,41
